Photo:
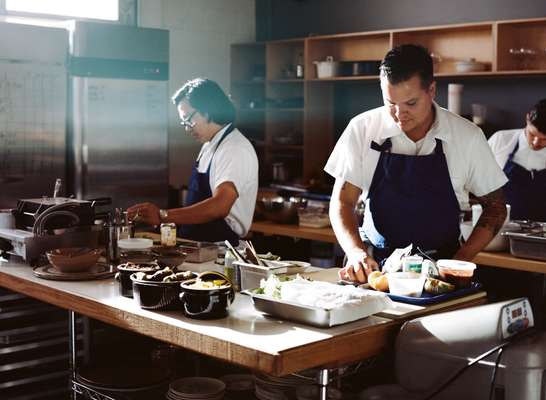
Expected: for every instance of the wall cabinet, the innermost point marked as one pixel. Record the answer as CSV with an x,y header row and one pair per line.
x,y
289,117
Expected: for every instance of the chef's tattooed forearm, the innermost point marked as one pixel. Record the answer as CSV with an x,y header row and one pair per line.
x,y
494,211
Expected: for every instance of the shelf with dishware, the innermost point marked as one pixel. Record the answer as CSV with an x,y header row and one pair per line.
x,y
299,76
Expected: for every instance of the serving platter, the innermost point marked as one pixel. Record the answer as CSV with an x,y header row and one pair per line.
x,y
98,271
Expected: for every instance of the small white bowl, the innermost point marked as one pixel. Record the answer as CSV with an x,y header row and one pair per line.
x,y
406,283
470,65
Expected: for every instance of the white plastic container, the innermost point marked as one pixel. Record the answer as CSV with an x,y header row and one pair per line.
x,y
328,68
406,283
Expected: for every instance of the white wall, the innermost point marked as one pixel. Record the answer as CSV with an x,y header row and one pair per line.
x,y
201,32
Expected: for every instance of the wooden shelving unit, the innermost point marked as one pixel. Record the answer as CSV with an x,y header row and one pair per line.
x,y
299,110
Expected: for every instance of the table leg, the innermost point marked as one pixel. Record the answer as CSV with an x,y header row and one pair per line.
x,y
323,379
72,338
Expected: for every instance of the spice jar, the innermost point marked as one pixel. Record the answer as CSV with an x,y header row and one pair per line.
x,y
168,234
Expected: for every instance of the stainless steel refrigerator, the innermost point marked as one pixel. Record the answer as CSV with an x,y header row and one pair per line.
x,y
118,99
32,110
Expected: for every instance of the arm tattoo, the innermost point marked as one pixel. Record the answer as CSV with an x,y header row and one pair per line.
x,y
494,211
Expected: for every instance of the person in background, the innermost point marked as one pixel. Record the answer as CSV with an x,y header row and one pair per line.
x,y
415,164
224,181
522,155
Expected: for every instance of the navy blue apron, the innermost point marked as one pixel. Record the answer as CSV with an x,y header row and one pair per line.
x,y
525,190
411,200
199,190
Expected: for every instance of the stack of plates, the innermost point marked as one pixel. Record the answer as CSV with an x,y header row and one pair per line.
x,y
238,384
277,388
196,388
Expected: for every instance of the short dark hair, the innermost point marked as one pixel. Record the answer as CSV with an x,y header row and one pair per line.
x,y
208,98
537,116
405,61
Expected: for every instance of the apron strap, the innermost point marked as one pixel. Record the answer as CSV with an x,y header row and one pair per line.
x,y
224,135
384,147
513,153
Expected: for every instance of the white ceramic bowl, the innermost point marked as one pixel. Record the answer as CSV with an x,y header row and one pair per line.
x,y
469,66
406,283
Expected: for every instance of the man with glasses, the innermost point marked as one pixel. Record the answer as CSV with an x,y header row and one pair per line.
x,y
522,154
224,181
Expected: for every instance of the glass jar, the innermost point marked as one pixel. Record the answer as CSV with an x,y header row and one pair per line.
x,y
168,234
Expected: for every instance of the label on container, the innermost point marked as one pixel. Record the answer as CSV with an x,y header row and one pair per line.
x,y
168,234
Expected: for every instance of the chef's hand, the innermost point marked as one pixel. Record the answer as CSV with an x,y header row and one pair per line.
x,y
359,266
144,212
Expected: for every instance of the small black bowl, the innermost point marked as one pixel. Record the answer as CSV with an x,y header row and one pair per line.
x,y
124,276
206,303
159,296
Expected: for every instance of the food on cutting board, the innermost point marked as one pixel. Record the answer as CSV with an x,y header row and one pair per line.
x,y
436,286
378,281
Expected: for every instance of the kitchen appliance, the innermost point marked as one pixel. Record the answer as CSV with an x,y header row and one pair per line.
x,y
32,110
118,98
455,355
48,223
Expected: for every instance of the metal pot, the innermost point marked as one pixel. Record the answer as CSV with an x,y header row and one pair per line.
x,y
281,210
327,68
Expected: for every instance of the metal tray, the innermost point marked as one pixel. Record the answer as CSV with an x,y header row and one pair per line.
x,y
528,245
198,252
308,315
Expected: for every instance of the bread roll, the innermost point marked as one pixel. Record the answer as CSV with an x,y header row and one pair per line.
x,y
378,281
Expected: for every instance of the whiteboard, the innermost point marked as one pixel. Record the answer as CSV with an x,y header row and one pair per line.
x,y
32,126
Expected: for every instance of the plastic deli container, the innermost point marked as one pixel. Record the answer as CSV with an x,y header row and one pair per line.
x,y
406,283
457,272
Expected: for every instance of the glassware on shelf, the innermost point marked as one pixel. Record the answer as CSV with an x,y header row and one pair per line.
x,y
525,56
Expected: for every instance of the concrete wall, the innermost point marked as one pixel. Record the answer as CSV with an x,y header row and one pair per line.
x,y
296,18
201,32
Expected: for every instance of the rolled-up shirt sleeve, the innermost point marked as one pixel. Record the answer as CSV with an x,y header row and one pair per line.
x,y
484,173
345,161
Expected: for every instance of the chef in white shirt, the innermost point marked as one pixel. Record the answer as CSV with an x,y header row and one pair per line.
x,y
415,164
522,155
224,182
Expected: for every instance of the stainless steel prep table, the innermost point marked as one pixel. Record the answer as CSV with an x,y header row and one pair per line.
x,y
246,337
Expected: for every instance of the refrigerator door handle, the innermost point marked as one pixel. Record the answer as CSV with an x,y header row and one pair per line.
x,y
84,166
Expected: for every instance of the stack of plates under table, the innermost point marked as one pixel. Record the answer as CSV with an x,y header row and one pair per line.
x,y
268,387
196,388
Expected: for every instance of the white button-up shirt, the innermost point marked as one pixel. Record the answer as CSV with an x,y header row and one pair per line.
x,y
504,142
472,167
234,161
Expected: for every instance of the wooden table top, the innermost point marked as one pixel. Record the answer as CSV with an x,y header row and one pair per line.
x,y
499,260
245,337
292,230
